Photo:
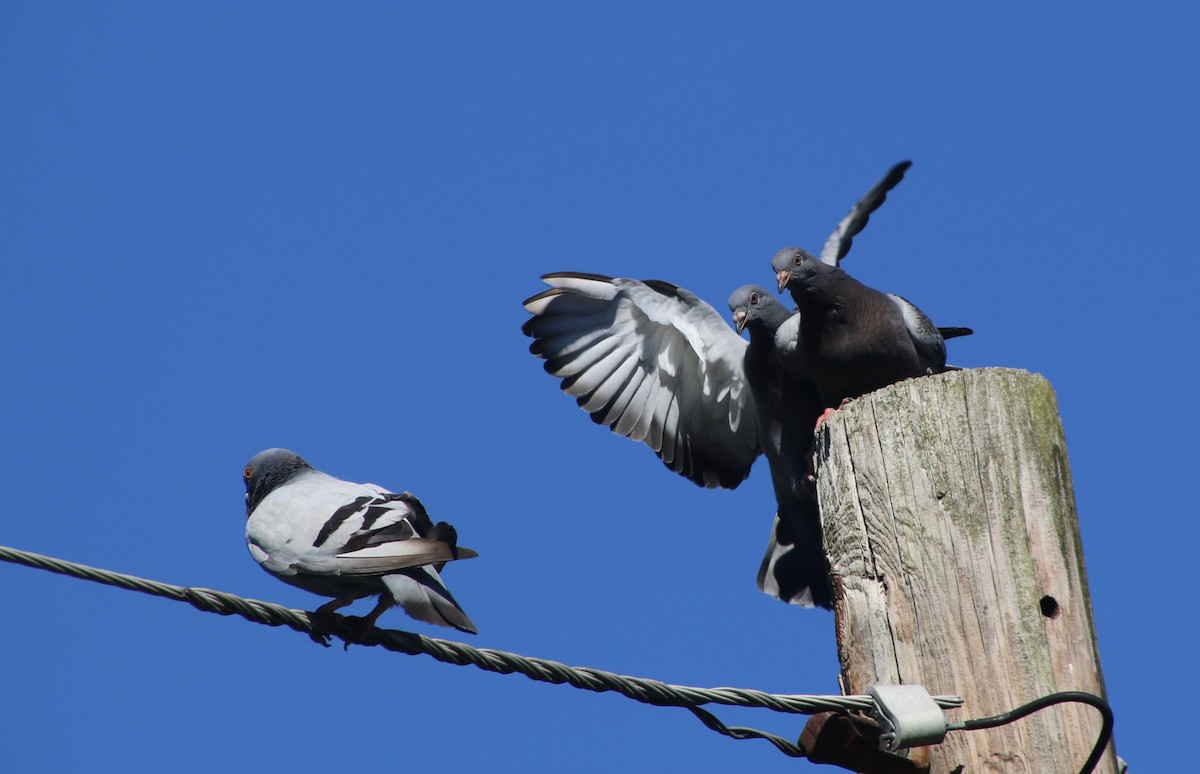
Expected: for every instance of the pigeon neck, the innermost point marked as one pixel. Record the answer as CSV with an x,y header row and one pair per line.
x,y
768,320
814,286
270,480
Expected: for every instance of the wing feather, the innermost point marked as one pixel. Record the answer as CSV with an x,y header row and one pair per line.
x,y
926,338
654,363
616,407
855,221
605,392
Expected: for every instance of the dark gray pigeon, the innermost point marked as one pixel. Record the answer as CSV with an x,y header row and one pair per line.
x,y
348,541
787,406
854,339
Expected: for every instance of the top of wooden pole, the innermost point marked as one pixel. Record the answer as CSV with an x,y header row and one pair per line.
x,y
956,564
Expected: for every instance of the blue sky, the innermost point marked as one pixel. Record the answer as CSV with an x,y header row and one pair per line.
x,y
226,227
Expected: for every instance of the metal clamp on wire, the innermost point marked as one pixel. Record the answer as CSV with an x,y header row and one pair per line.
x,y
909,716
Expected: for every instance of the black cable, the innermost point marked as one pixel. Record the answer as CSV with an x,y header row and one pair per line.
x,y
740,732
1106,727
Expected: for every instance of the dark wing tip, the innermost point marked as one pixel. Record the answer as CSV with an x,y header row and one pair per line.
x,y
419,516
555,291
954,332
892,178
539,296
587,275
663,287
839,243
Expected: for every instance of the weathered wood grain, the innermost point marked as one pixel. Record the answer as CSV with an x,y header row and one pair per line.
x,y
950,525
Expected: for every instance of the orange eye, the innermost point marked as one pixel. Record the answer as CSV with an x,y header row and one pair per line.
x,y
247,472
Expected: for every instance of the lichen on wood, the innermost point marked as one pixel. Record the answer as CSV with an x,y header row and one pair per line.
x,y
956,562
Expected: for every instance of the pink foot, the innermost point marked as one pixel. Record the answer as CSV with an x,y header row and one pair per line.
x,y
827,413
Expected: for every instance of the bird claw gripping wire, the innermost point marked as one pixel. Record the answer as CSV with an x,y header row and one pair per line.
x,y
323,625
350,629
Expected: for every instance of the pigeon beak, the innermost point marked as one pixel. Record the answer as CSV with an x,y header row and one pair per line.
x,y
784,277
739,320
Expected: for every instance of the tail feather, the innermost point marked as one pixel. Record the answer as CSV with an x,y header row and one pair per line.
x,y
423,596
954,332
794,569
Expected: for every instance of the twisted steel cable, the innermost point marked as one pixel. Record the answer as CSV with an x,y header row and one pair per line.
x,y
543,670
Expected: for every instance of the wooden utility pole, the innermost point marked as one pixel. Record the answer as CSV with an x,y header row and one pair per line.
x,y
951,531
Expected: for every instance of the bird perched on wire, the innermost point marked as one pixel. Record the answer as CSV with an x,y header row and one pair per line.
x,y
657,364
348,541
854,339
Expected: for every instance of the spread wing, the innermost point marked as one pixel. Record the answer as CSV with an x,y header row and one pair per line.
x,y
654,363
855,221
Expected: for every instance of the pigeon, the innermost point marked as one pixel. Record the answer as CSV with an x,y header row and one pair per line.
x,y
655,363
854,339
347,541
787,405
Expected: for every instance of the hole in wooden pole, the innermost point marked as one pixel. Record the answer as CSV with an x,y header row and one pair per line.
x,y
1049,606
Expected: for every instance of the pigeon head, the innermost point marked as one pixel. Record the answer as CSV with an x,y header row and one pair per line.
x,y
792,264
752,303
267,471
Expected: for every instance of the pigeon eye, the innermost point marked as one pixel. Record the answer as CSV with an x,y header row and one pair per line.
x,y
799,260
754,298
247,472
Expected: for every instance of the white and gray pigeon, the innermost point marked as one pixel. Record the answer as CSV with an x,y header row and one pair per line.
x,y
854,339
659,365
348,541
